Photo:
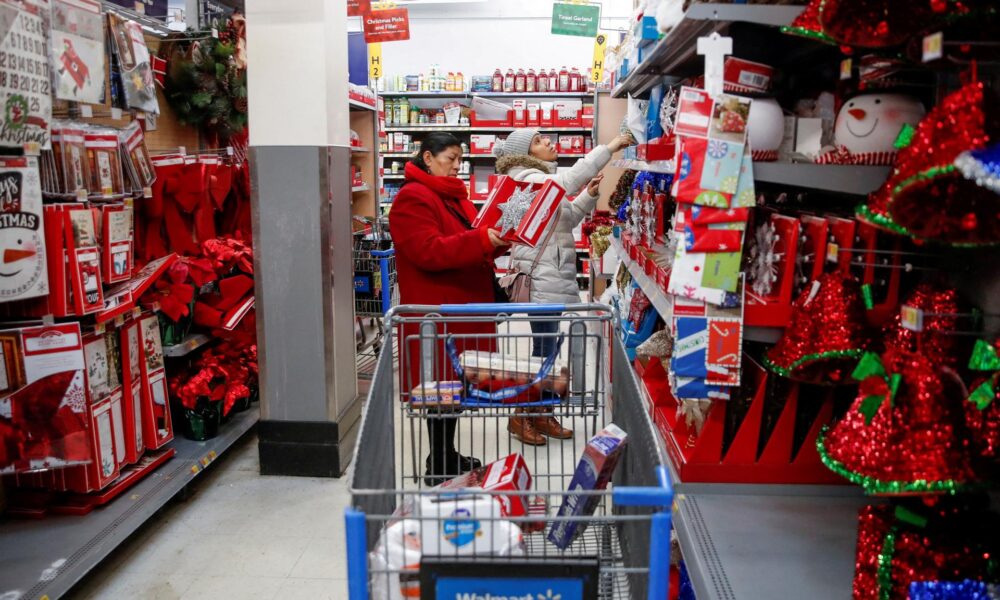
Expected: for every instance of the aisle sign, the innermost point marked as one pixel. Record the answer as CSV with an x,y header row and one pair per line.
x,y
597,68
375,61
575,19
389,25
358,8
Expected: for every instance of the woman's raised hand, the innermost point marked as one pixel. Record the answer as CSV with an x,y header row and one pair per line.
x,y
595,183
622,141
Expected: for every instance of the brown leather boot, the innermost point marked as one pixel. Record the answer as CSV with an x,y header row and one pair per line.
x,y
521,428
550,426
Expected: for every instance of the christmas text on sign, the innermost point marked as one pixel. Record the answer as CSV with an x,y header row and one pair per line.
x,y
358,8
390,25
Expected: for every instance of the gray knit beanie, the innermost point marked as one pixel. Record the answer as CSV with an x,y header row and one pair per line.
x,y
517,143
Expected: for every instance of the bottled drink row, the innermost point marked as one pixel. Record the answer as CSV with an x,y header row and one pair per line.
x,y
565,79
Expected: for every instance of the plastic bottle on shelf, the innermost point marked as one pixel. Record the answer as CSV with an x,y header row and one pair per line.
x,y
520,81
404,111
577,80
449,83
553,80
542,84
531,81
508,81
497,80
563,83
459,82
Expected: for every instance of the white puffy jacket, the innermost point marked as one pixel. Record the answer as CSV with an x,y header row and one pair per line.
x,y
554,278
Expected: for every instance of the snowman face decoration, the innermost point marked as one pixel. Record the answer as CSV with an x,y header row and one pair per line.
x,y
22,254
871,122
19,258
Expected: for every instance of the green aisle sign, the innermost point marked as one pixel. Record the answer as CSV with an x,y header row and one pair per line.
x,y
575,19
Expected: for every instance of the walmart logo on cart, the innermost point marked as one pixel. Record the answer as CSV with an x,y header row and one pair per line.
x,y
514,588
548,595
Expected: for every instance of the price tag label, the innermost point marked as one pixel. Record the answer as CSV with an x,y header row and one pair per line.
x,y
933,47
136,312
140,8
86,111
156,307
832,250
99,329
845,68
182,150
195,469
215,33
32,149
119,320
81,195
129,202
147,192
116,114
911,318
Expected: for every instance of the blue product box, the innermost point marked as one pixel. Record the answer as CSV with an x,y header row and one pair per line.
x,y
645,30
593,472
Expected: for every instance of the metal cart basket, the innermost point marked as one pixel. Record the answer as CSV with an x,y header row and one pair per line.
x,y
478,371
375,293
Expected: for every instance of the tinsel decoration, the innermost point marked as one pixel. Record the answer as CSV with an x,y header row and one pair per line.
x,y
807,24
623,190
764,260
826,334
942,310
916,551
981,167
904,433
930,196
982,409
668,110
878,23
205,83
660,345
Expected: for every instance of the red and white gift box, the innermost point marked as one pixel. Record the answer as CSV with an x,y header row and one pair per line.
x,y
132,390
84,260
532,227
509,474
103,469
157,426
116,242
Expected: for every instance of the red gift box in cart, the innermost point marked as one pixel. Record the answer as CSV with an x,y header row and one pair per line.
x,y
409,537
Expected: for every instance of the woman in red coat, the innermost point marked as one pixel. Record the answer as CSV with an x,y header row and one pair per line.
x,y
441,259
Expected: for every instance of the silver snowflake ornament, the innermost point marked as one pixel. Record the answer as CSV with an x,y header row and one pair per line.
x,y
514,209
764,259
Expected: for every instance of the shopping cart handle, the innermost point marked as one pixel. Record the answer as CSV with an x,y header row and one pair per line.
x,y
383,253
508,308
663,495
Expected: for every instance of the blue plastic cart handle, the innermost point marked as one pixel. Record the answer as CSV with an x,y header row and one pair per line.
x,y
480,309
357,554
662,496
383,253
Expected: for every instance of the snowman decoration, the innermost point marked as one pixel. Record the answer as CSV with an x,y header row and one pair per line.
x,y
22,245
867,127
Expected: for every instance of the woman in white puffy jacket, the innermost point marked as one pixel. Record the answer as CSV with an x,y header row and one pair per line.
x,y
526,155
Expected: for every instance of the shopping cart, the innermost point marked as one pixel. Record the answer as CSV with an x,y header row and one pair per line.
x,y
375,292
624,550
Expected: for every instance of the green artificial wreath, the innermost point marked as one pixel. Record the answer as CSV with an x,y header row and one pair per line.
x,y
205,84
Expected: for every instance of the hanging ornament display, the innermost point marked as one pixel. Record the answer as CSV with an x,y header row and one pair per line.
x,y
764,259
930,196
826,334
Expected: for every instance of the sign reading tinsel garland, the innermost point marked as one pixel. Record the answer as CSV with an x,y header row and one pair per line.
x,y
24,73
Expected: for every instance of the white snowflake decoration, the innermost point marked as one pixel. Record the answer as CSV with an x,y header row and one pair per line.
x,y
668,110
514,209
764,259
75,397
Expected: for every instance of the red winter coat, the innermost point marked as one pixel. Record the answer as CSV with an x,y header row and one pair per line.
x,y
440,260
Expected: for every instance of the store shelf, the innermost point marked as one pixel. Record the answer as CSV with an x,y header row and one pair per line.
x,y
401,176
843,179
396,155
676,53
419,128
657,166
355,105
30,550
486,94
359,149
757,541
360,188
191,343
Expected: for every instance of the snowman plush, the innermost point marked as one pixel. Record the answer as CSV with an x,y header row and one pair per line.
x,y
867,127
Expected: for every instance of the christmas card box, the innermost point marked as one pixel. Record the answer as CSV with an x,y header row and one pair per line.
x,y
593,472
77,51
72,165
129,44
122,298
567,113
23,272
116,242
481,144
84,261
520,211
103,469
771,275
131,358
138,164
509,474
105,164
157,427
102,376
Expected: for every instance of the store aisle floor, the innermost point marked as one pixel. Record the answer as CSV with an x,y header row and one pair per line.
x,y
238,535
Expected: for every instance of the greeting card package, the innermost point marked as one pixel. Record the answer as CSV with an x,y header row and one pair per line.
x,y
495,371
130,48
23,272
72,166
521,211
157,426
47,411
103,469
116,242
400,548
138,164
26,93
77,50
84,261
105,164
131,389
593,472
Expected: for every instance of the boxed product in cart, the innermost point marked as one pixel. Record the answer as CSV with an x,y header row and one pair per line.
x,y
492,371
593,472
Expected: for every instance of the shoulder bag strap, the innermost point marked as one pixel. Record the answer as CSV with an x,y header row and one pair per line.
x,y
541,247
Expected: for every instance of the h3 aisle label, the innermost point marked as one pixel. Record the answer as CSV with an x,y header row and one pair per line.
x,y
575,19
597,68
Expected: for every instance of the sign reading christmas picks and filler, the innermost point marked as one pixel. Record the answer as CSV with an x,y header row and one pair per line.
x,y
576,19
386,25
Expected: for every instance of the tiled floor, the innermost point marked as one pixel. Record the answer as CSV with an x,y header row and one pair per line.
x,y
238,535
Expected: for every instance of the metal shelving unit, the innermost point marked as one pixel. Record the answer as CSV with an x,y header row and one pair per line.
x,y
191,343
355,105
843,179
47,557
485,94
419,128
360,188
768,541
656,166
675,54
360,149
